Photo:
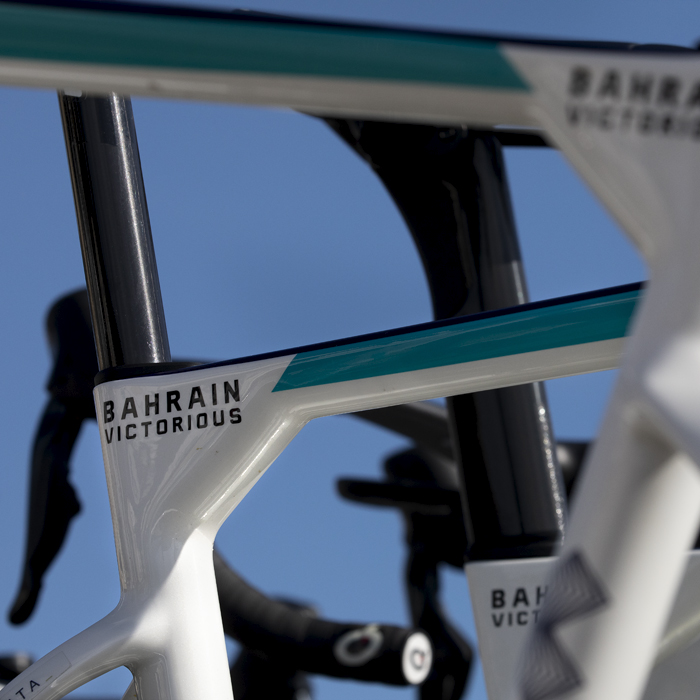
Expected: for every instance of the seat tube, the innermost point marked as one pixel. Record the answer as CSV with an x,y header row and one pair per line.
x,y
115,231
512,486
451,188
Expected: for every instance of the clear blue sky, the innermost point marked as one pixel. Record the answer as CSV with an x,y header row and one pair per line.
x,y
270,233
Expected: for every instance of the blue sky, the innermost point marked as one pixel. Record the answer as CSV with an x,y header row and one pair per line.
x,y
271,233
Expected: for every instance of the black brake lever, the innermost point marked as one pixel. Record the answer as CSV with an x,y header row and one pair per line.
x,y
53,502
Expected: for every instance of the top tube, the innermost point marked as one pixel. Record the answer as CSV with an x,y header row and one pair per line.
x,y
320,67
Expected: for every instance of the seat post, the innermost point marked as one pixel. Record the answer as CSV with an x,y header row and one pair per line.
x,y
451,187
115,232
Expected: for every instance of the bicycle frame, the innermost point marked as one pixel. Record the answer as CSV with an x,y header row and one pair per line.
x,y
183,449
628,123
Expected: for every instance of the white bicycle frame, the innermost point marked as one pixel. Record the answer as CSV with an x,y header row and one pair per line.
x,y
182,449
629,123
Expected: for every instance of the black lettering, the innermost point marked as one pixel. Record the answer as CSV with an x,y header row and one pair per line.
x,y
604,118
119,433
541,593
203,422
667,124
109,435
108,411
521,617
498,598
668,91
189,422
693,96
128,428
646,121
497,619
520,597
196,397
510,619
213,395
162,426
32,684
129,407
145,427
535,613
610,85
235,415
152,404
19,692
177,424
173,398
228,391
580,81
573,115
640,87
213,417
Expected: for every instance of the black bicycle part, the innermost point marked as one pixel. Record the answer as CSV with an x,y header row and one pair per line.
x,y
255,677
12,666
424,422
52,499
115,232
424,486
427,424
571,455
450,186
520,138
299,640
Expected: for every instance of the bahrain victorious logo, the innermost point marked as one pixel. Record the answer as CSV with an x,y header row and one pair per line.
x,y
634,102
176,411
574,592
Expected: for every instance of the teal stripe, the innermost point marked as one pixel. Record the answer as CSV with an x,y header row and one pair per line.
x,y
545,328
113,38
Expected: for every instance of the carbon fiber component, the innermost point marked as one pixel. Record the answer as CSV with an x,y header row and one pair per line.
x,y
451,188
115,231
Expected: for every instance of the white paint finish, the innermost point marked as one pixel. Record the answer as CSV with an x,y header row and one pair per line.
x,y
481,375
676,674
683,628
375,99
506,597
44,673
644,177
638,506
523,582
632,524
170,492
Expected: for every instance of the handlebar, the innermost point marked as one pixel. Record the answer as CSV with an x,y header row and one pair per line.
x,y
365,652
